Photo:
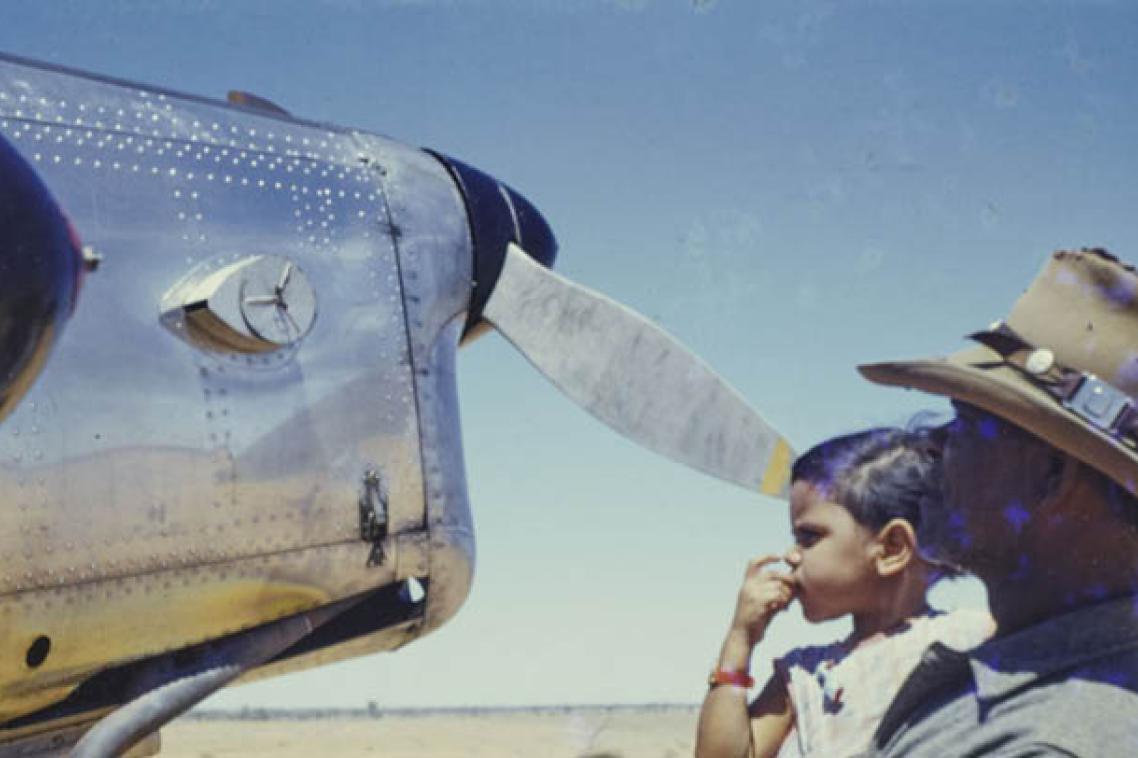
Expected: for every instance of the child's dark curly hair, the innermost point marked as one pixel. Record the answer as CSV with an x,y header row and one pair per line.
x,y
878,474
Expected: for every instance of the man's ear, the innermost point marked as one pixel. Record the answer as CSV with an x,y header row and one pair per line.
x,y
1060,479
896,547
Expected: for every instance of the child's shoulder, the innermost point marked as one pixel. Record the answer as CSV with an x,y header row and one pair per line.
x,y
961,628
811,657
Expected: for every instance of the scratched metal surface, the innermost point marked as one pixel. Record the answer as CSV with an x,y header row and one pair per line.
x,y
153,493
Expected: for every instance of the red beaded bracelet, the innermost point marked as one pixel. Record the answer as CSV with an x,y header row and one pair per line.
x,y
723,676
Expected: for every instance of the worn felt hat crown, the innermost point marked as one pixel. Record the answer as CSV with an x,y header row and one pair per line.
x,y
1063,365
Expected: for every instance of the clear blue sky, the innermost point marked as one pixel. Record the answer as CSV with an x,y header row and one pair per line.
x,y
789,187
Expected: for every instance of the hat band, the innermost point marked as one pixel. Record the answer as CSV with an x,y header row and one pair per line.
x,y
1098,403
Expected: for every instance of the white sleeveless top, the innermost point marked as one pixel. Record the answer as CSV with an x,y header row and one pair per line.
x,y
840,695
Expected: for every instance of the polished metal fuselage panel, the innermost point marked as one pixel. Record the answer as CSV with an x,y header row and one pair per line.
x,y
156,494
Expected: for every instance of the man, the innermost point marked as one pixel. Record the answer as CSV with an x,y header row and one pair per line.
x,y
1041,466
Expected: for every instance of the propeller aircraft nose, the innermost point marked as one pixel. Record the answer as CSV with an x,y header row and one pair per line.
x,y
219,386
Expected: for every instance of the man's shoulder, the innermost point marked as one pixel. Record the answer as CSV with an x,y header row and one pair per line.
x,y
1082,714
1085,709
1089,710
1043,690
962,628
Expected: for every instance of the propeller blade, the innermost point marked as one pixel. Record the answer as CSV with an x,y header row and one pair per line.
x,y
635,377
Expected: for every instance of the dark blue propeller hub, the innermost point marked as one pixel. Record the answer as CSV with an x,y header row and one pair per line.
x,y
40,268
498,215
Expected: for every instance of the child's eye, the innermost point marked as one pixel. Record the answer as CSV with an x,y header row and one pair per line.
x,y
806,538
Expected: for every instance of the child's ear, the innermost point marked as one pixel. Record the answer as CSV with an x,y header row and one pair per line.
x,y
896,547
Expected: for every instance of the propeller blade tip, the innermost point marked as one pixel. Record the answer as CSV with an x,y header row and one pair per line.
x,y
776,478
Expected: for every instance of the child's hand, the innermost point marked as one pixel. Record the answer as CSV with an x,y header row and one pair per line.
x,y
763,595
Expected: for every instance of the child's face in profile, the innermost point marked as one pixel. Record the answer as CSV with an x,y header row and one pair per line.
x,y
833,558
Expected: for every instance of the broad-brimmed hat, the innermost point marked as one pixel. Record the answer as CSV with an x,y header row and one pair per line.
x,y
1063,365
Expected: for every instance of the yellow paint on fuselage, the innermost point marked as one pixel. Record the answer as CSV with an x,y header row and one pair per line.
x,y
114,621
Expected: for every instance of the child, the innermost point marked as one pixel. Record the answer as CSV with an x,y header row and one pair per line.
x,y
855,506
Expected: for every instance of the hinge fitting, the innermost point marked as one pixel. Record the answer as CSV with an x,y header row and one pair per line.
x,y
373,516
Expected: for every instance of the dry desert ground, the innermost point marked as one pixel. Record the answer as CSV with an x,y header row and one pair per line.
x,y
598,732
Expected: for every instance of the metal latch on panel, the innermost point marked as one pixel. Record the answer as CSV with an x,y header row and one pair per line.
x,y
258,304
373,516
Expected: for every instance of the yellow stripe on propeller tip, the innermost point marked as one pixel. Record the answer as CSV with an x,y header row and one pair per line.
x,y
776,479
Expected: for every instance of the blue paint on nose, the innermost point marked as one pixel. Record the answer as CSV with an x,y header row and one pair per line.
x,y
989,428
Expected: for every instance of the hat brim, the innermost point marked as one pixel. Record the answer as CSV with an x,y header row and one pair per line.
x,y
980,377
